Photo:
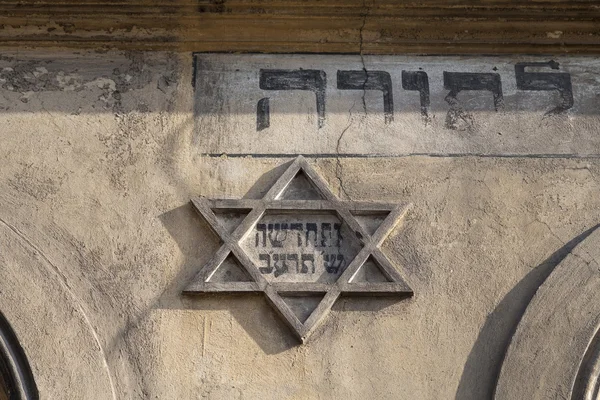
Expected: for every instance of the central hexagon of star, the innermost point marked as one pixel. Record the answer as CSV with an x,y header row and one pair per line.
x,y
301,246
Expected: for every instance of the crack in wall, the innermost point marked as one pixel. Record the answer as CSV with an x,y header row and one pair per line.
x,y
552,233
365,15
338,166
338,163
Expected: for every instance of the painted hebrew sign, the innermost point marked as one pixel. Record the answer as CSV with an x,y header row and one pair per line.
x,y
396,105
301,246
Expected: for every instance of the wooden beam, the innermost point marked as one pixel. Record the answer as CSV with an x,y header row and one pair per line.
x,y
326,26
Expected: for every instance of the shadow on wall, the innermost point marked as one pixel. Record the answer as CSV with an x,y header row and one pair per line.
x,y
197,242
481,371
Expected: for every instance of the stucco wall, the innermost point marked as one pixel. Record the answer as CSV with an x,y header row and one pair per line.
x,y
102,152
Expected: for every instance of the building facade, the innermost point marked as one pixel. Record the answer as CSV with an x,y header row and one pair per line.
x,y
299,200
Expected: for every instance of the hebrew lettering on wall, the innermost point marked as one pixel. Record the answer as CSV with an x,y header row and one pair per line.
x,y
275,79
395,105
370,80
313,246
457,82
544,81
419,81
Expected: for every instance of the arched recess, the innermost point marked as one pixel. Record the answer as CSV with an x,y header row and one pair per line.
x,y
54,326
555,351
587,384
16,379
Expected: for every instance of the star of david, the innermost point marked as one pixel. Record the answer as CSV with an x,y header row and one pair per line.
x,y
285,199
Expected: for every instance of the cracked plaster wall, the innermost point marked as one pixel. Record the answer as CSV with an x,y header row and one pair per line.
x,y
101,156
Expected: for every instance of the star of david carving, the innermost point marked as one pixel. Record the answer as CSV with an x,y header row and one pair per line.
x,y
295,300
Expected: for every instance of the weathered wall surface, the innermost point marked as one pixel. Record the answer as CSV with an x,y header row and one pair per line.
x,y
102,153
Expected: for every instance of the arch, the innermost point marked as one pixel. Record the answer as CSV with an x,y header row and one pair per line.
x,y
587,384
555,353
44,311
14,368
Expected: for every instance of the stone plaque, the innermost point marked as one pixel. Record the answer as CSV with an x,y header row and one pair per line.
x,y
301,246
352,106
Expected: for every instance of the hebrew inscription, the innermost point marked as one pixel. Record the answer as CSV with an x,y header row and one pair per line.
x,y
419,81
300,242
544,81
313,80
309,248
396,105
457,82
370,80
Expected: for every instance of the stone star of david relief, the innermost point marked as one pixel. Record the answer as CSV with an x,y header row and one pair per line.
x,y
301,246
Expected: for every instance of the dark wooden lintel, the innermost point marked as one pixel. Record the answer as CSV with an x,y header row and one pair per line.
x,y
326,26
